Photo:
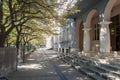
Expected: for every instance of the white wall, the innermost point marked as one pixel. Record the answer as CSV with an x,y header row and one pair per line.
x,y
49,42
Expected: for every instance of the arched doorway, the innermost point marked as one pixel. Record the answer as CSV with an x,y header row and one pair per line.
x,y
112,13
92,22
79,34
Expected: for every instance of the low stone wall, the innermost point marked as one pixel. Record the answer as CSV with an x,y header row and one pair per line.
x,y
8,57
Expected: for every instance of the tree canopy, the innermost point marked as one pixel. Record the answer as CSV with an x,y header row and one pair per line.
x,y
23,19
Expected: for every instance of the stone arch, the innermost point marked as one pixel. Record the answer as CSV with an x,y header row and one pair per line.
x,y
91,21
79,34
112,13
90,16
108,9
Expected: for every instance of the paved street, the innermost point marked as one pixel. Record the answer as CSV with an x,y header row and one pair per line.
x,y
43,64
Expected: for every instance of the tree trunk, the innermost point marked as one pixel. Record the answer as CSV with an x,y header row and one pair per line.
x,y
17,43
2,33
24,46
18,38
2,39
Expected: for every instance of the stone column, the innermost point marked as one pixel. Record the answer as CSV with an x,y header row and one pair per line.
x,y
105,37
86,38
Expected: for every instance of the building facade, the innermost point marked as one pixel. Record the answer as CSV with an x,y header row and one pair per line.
x,y
65,40
98,26
95,28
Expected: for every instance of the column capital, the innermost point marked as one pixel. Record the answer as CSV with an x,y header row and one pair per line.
x,y
86,28
84,23
105,22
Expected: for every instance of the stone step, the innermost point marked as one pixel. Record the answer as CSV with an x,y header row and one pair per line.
x,y
85,58
108,70
78,64
91,74
103,68
75,65
84,62
108,67
115,63
101,73
87,71
114,67
117,67
61,56
97,72
67,60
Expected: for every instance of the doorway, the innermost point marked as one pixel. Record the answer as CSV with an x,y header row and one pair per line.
x,y
115,33
118,38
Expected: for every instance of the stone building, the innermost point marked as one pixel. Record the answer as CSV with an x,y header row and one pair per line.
x,y
95,28
98,25
65,40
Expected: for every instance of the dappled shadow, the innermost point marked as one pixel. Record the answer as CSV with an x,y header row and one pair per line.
x,y
93,68
37,67
44,65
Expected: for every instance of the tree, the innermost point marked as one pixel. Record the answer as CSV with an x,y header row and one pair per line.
x,y
16,13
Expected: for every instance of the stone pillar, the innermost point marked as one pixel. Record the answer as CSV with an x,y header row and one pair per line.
x,y
86,38
105,37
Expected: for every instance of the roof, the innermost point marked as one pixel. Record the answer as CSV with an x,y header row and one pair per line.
x,y
83,6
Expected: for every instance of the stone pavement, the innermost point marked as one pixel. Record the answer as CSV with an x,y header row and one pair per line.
x,y
43,64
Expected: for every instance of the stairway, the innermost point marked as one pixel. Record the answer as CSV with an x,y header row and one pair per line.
x,y
87,66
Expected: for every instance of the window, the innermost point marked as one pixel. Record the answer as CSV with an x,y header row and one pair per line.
x,y
96,31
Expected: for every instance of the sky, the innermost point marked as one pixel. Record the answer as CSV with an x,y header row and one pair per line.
x,y
63,8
